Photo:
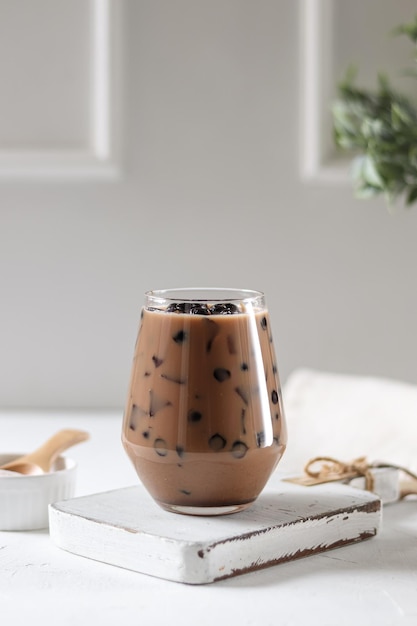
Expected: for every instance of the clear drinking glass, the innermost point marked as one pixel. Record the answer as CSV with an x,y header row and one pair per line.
x,y
204,423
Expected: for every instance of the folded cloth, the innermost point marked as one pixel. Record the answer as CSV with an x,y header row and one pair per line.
x,y
346,417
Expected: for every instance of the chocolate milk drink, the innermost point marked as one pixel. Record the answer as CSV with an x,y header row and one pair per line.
x,y
204,423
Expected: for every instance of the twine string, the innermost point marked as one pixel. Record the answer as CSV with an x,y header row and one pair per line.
x,y
327,468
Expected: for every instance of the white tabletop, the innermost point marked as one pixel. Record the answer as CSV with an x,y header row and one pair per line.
x,y
371,582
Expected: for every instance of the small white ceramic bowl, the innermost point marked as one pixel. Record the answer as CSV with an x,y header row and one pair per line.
x,y
24,500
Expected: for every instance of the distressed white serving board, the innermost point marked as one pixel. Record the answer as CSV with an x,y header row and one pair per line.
x,y
126,528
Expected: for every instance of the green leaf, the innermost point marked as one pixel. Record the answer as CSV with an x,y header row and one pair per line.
x,y
410,30
383,83
411,196
342,118
365,170
400,116
366,191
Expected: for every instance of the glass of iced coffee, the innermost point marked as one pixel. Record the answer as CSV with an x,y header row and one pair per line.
x,y
204,424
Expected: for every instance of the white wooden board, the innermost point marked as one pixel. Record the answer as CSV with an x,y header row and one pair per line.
x,y
126,528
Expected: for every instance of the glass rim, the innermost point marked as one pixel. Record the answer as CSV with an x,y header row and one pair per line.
x,y
211,294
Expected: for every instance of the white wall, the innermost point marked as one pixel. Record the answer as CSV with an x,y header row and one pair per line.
x,y
211,194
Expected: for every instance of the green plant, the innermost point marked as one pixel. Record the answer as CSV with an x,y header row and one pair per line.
x,y
380,126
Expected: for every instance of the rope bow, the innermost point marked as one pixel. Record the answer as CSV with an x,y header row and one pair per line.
x,y
329,469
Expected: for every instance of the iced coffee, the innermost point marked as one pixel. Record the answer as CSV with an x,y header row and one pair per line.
x,y
204,423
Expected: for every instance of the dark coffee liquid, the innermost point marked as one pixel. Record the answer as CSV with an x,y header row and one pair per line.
x,y
203,424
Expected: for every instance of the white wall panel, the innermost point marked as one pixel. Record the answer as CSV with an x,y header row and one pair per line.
x,y
45,73
59,75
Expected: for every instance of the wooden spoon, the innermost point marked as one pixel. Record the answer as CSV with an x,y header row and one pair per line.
x,y
40,461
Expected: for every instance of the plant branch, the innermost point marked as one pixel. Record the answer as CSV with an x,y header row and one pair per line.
x,y
380,126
